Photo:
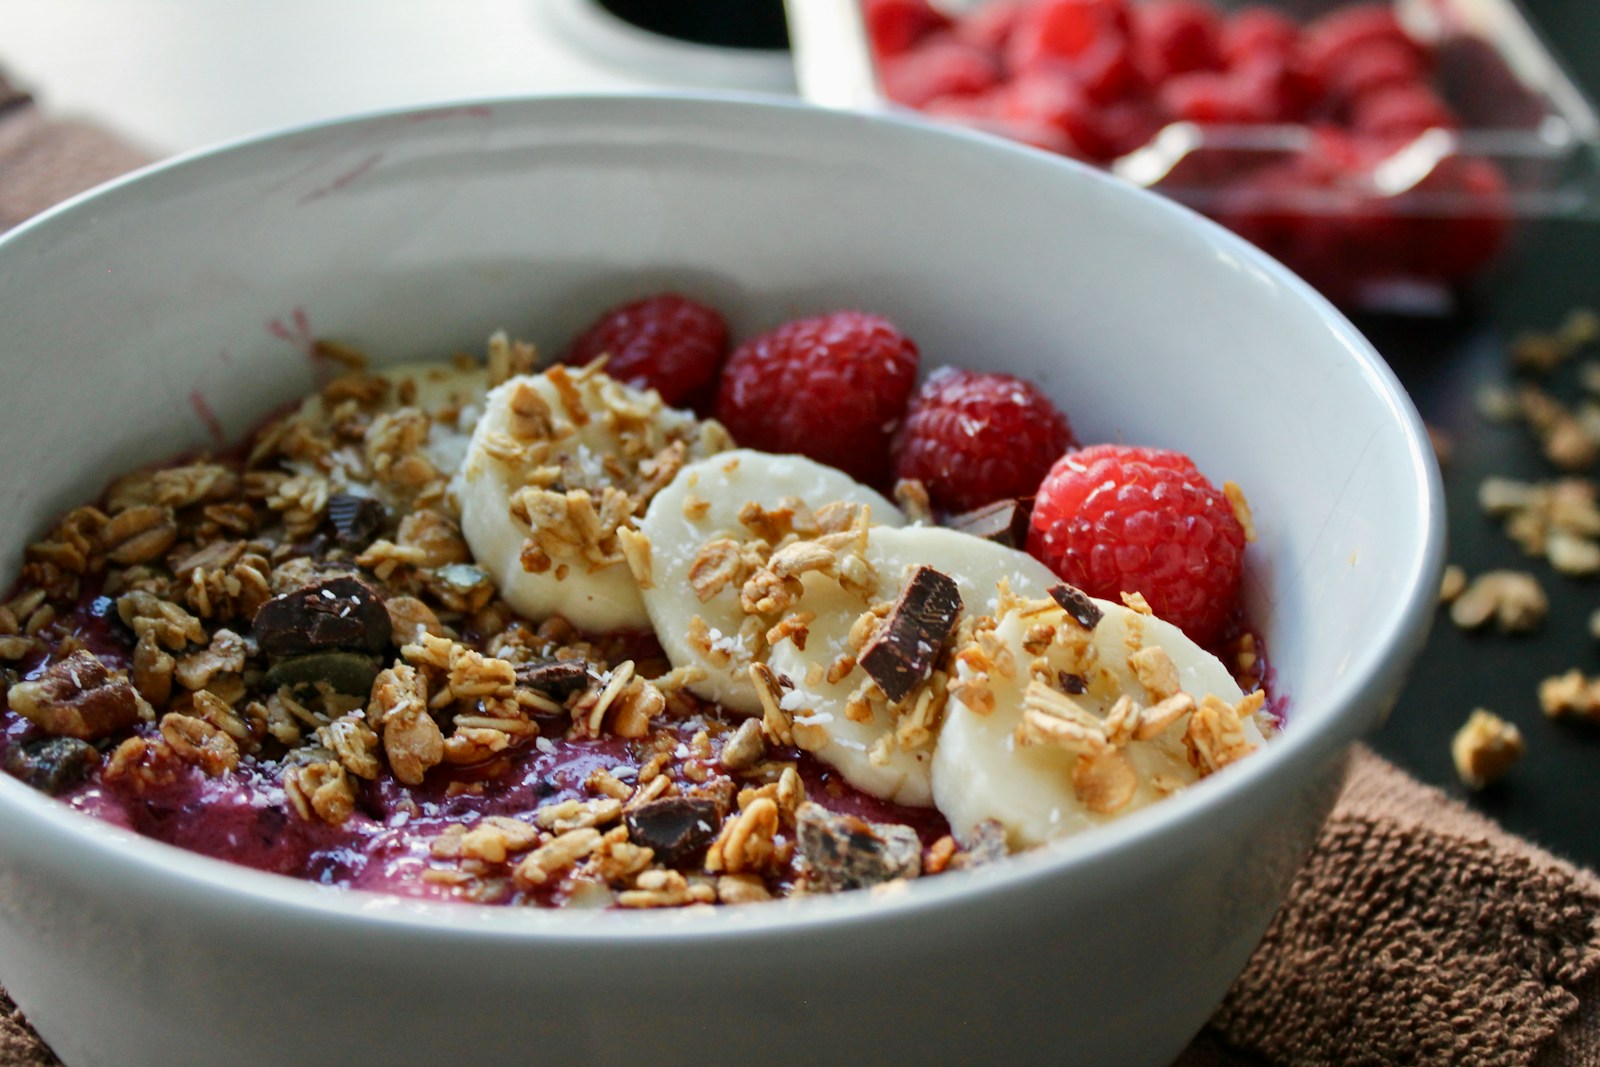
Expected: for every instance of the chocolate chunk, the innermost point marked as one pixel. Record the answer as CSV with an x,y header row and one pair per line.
x,y
339,613
555,678
676,827
347,672
843,852
1005,522
356,519
1076,602
1072,683
54,764
908,644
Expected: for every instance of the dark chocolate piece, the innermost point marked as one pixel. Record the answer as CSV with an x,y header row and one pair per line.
x,y
347,672
1076,602
907,646
676,827
840,852
356,519
1005,522
54,764
1072,683
555,678
338,614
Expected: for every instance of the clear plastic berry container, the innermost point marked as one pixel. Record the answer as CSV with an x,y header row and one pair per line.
x,y
1393,204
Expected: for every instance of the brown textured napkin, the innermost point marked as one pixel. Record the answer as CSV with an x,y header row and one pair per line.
x,y
1417,933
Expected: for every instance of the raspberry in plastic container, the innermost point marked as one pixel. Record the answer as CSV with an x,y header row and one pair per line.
x,y
895,26
940,69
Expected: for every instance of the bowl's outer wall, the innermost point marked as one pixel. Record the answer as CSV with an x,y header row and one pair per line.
x,y
1120,967
137,318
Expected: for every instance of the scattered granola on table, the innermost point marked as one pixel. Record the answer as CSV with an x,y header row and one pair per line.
x,y
1485,749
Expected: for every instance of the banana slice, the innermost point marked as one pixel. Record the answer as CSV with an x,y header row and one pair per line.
x,y
559,467
700,529
858,733
451,394
1020,746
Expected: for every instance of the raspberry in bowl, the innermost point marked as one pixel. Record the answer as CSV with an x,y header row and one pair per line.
x,y
1175,338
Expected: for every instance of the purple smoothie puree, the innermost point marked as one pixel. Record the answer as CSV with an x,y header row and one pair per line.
x,y
244,817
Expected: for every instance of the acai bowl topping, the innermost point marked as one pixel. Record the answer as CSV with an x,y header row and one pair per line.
x,y
516,633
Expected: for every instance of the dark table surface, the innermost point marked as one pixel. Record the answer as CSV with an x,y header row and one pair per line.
x,y
1553,796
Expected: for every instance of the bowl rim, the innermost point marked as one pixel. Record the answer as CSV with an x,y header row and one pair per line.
x,y
1357,701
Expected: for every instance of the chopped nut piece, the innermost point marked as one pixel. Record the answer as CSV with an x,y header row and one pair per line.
x,y
1215,737
665,889
912,496
718,563
1104,782
1513,599
576,814
741,889
1570,694
1485,748
320,789
1241,509
411,739
1137,603
139,534
197,741
636,550
1156,671
746,842
1571,554
550,859
1452,584
224,655
839,852
78,697
745,748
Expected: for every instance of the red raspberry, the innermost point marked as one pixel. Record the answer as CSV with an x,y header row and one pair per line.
x,y
989,25
1331,40
1112,519
1401,112
1102,133
938,68
975,438
1258,31
1176,37
666,342
1211,97
895,26
832,387
1461,220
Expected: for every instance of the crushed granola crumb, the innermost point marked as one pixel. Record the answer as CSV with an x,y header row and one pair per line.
x,y
1485,748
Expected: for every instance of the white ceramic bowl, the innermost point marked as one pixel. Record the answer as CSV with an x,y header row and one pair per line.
x,y
134,314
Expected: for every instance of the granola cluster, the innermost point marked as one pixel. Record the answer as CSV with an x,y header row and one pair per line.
x,y
306,620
